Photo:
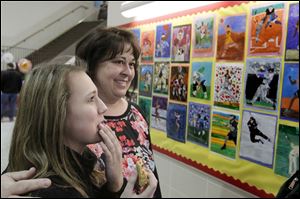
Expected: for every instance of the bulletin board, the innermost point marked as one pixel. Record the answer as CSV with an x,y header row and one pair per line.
x,y
220,87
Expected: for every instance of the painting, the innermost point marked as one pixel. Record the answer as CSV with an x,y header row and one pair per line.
x,y
137,34
287,152
203,36
258,138
161,78
292,39
224,133
145,83
176,122
200,83
145,105
231,38
228,84
163,41
179,83
198,124
262,82
290,93
181,43
266,29
159,113
147,46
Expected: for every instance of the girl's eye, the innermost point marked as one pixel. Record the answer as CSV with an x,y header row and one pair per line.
x,y
92,99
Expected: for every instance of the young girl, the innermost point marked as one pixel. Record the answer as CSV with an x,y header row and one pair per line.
x,y
59,114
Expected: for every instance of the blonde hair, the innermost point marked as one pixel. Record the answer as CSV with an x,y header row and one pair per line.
x,y
38,134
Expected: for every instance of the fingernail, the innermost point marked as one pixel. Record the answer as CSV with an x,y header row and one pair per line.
x,y
46,182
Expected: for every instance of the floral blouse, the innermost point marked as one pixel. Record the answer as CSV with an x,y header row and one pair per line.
x,y
132,130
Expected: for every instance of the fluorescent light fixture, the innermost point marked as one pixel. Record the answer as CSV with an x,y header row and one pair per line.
x,y
142,10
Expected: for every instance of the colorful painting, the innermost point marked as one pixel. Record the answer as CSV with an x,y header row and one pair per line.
x,y
290,92
258,138
201,80
147,46
159,113
181,43
145,83
231,38
287,152
198,124
228,84
266,29
262,81
161,78
176,122
145,105
203,36
224,133
179,83
137,34
163,41
292,39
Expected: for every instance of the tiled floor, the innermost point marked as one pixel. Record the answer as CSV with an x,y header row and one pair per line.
x,y
6,133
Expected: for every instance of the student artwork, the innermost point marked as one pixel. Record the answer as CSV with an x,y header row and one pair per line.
x,y
261,87
179,83
159,113
201,80
292,39
176,122
147,46
287,153
145,83
258,138
266,29
137,34
224,133
290,92
163,41
231,38
181,43
145,105
203,39
228,84
161,77
198,123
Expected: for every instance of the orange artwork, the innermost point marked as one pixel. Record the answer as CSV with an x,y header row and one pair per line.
x,y
266,30
147,46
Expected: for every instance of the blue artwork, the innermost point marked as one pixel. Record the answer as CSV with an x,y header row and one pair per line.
x,y
292,40
163,41
137,34
176,122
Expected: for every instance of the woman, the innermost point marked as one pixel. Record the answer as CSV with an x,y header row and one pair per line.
x,y
112,55
60,113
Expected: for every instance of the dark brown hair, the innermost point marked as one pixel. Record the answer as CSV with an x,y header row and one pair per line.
x,y
104,44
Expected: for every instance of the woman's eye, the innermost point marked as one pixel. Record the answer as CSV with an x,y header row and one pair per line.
x,y
120,62
132,65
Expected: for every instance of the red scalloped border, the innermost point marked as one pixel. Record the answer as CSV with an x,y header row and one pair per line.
x,y
245,186
210,7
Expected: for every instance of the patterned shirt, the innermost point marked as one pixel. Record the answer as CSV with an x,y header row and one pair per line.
x,y
132,131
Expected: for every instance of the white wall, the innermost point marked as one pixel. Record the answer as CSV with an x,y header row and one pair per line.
x,y
21,19
177,179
